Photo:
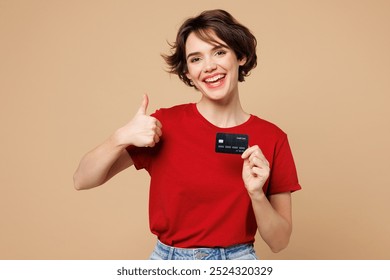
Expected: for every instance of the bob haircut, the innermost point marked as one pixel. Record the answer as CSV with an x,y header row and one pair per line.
x,y
206,26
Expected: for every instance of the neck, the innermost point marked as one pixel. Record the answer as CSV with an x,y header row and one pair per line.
x,y
222,114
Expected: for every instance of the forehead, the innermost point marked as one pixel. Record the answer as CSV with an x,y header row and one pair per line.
x,y
203,40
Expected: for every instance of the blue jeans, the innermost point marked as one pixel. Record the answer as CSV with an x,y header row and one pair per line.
x,y
237,252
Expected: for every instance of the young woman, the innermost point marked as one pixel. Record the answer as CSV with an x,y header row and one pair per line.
x,y
207,199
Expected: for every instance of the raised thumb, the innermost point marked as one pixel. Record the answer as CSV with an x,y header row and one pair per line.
x,y
144,105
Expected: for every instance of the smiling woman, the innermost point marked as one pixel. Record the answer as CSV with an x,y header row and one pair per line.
x,y
211,80
213,69
202,199
214,27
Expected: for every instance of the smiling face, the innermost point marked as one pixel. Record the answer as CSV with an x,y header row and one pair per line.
x,y
213,68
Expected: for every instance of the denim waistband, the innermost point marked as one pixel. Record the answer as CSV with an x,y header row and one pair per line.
x,y
241,251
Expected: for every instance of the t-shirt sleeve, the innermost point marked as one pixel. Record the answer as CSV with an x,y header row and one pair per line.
x,y
283,175
142,156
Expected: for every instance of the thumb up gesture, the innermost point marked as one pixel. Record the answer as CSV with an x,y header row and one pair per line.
x,y
143,130
144,105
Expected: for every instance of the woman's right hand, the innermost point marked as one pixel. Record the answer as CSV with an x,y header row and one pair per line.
x,y
143,130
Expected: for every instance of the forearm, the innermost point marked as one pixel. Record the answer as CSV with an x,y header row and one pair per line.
x,y
272,226
111,157
95,166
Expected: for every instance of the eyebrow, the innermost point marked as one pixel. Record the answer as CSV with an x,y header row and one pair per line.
x,y
213,49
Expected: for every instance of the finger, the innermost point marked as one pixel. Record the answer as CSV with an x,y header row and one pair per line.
x,y
158,123
155,125
261,172
258,162
152,142
144,105
158,131
156,139
249,151
258,154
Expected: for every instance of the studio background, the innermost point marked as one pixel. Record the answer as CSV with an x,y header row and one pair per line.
x,y
71,72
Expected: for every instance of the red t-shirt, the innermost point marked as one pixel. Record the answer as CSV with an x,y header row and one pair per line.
x,y
197,196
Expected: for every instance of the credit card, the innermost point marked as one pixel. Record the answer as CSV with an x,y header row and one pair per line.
x,y
229,143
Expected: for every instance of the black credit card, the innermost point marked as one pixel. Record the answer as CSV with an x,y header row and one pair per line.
x,y
231,143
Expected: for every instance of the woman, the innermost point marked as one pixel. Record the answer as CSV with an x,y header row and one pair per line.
x,y
207,198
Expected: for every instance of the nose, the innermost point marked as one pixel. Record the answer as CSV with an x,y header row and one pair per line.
x,y
209,66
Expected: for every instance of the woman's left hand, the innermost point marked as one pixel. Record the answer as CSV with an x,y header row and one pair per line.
x,y
255,171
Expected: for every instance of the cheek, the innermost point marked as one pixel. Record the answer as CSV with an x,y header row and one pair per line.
x,y
194,71
189,73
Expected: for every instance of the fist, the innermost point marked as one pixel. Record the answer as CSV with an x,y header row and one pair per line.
x,y
143,130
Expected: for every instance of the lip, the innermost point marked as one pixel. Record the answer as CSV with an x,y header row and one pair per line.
x,y
210,77
218,83
219,80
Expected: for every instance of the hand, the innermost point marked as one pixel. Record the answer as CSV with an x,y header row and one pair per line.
x,y
255,171
143,130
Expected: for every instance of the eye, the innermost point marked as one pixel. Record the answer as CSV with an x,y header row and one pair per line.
x,y
194,59
220,52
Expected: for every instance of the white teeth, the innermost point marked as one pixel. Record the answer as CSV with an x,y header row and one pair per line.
x,y
214,79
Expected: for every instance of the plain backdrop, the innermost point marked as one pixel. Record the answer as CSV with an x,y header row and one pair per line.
x,y
71,72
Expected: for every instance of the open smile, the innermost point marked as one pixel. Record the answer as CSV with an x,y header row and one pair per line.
x,y
215,80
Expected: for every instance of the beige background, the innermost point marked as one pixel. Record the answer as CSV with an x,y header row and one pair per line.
x,y
71,72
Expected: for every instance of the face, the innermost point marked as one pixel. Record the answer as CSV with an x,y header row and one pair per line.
x,y
212,68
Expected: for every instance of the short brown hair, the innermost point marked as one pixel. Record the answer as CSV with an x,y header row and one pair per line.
x,y
205,25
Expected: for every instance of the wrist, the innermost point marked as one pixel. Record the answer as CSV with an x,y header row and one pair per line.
x,y
257,195
117,139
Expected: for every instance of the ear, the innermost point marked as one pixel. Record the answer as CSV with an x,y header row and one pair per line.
x,y
242,61
188,76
